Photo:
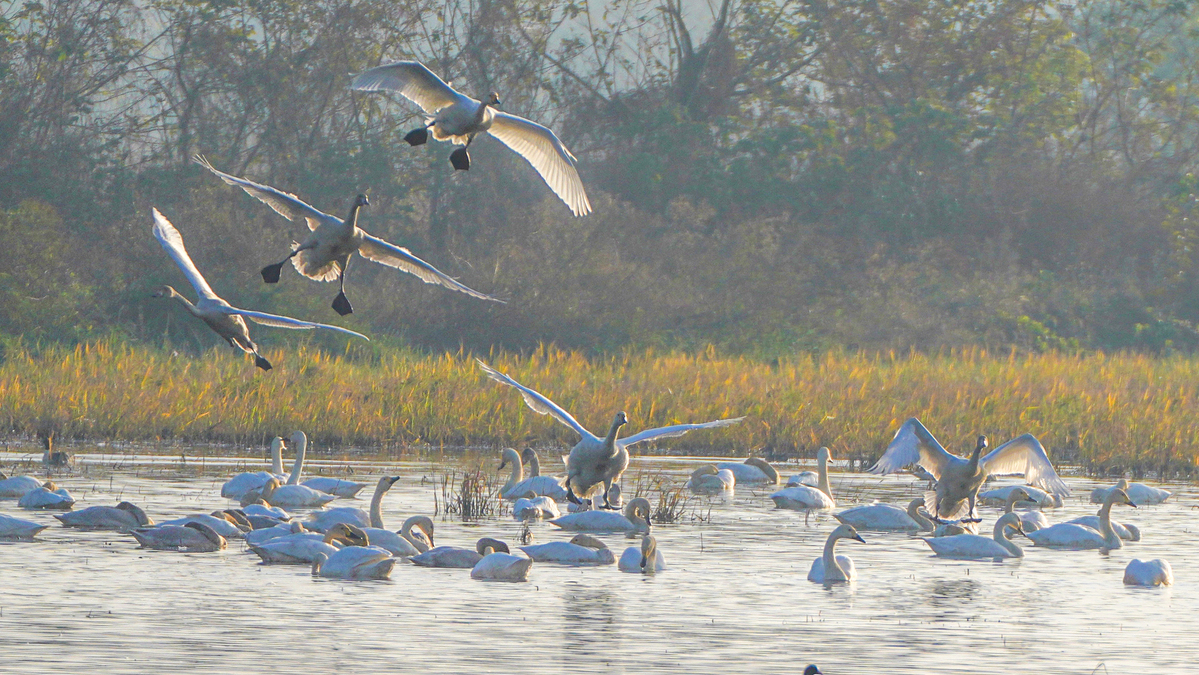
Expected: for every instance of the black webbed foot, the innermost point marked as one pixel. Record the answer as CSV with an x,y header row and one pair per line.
x,y
417,136
460,158
270,273
261,362
341,304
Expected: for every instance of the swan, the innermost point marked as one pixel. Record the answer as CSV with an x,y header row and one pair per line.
x,y
537,508
501,566
338,487
753,471
16,486
51,458
635,519
805,498
708,480
461,558
644,560
1148,573
239,485
261,509
459,118
1125,531
122,518
809,478
830,568
582,549
1031,521
999,496
518,486
218,521
354,562
887,517
976,547
1078,537
260,537
958,479
302,548
324,255
1138,492
15,529
224,319
812,670
189,538
594,460
48,497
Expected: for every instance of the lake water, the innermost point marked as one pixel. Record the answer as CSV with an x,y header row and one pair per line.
x,y
734,599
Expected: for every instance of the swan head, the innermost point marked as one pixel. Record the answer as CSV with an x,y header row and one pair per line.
x,y
812,670
238,518
649,546
348,535
1119,496
165,292
362,200
705,470
620,419
386,482
846,531
762,464
207,532
638,509
49,485
299,437
588,541
488,545
509,456
493,99
824,455
1011,520
981,444
143,520
422,523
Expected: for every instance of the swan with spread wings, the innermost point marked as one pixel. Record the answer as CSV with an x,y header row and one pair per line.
x,y
958,478
596,460
224,319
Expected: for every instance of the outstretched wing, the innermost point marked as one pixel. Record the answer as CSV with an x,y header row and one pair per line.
x,y
545,152
172,242
413,81
913,444
537,402
374,248
285,204
278,321
673,431
1025,456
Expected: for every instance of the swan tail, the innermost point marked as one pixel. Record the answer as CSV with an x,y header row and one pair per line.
x,y
306,264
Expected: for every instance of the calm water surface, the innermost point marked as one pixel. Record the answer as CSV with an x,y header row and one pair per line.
x,y
734,600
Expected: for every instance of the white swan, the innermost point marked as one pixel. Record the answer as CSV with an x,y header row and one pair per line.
x,y
582,549
1125,531
325,253
302,548
460,558
887,518
518,486
1148,573
338,487
959,479
458,118
646,559
1079,537
635,519
594,460
239,485
501,566
809,478
224,319
218,521
122,518
829,567
47,497
16,486
753,471
15,529
805,498
354,562
189,538
999,496
1031,521
708,480
537,508
976,547
1139,493
260,509
260,537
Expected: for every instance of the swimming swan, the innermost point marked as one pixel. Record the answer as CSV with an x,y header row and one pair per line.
x,y
218,521
354,562
1079,537
830,568
959,479
635,519
518,486
976,547
708,480
48,497
594,460
122,518
15,529
459,118
1148,573
753,471
189,538
460,558
262,536
999,496
885,517
582,549
325,253
1138,492
16,486
1125,531
537,508
644,560
302,548
239,485
805,498
501,566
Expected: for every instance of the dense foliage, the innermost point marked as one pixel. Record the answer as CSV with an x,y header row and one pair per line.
x,y
772,176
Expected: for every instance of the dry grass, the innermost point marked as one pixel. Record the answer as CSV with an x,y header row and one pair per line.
x,y
1122,411
469,495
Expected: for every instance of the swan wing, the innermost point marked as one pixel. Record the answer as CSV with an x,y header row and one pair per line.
x,y
676,430
913,444
172,242
374,248
541,148
1024,455
540,404
413,81
277,321
285,204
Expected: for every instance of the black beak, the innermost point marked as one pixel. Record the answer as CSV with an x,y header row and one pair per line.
x,y
859,538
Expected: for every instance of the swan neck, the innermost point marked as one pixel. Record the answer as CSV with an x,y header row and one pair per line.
x,y
1105,525
517,475
298,466
534,465
1000,535
914,514
832,571
277,458
377,508
352,220
610,439
822,472
187,304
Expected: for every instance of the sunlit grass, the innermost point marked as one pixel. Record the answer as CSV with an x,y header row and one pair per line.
x,y
1103,411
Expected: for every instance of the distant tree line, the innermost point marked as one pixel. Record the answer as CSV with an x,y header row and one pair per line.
x,y
769,176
